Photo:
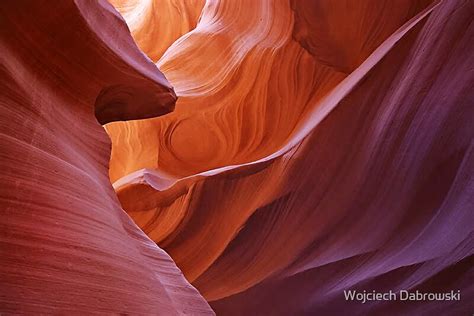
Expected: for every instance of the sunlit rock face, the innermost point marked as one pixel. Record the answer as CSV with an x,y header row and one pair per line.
x,y
166,20
259,157
66,245
315,147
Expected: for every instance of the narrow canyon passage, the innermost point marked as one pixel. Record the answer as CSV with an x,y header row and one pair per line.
x,y
308,136
236,157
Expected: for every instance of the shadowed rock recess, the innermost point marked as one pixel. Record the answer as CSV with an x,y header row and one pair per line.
x,y
296,149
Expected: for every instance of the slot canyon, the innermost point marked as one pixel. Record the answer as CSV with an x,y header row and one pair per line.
x,y
236,157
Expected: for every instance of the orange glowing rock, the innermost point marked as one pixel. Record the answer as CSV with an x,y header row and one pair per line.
x,y
296,161
295,150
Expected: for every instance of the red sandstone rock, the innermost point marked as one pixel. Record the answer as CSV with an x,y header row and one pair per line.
x,y
316,146
66,245
284,177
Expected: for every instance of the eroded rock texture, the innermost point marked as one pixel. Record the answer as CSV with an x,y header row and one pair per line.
x,y
316,146
66,245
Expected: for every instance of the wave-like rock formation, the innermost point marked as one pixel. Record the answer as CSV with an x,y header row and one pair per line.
x,y
156,24
66,245
315,147
296,149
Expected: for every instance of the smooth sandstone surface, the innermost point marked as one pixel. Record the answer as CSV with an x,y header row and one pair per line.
x,y
294,150
155,25
66,245
316,146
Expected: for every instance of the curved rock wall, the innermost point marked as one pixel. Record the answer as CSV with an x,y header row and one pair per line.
x,y
315,147
294,150
66,245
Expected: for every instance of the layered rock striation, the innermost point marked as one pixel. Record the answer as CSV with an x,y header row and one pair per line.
x,y
315,147
66,245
